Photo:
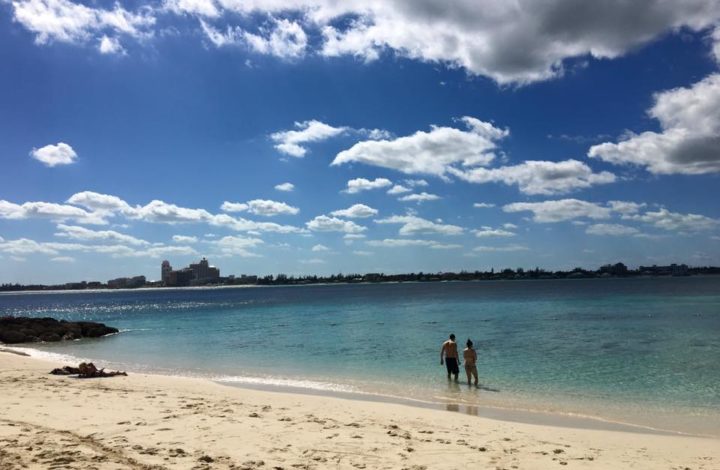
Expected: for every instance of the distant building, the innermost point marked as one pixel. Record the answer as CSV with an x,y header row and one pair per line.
x,y
204,272
180,278
126,282
679,269
196,274
165,271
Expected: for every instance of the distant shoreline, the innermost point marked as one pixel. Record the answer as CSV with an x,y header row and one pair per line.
x,y
52,290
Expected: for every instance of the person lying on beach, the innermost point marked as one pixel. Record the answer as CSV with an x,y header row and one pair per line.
x,y
86,370
470,357
450,354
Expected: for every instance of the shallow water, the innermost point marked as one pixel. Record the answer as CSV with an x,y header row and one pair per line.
x,y
644,351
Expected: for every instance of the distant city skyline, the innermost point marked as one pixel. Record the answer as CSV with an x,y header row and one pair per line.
x,y
317,138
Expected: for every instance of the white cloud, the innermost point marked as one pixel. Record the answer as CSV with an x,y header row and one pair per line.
x,y
363,253
505,248
398,189
231,36
99,202
490,232
312,261
626,207
413,225
24,246
53,155
49,210
63,259
421,197
356,211
285,39
517,42
672,221
162,212
539,177
234,207
512,42
160,252
286,187
483,205
509,226
319,247
243,225
293,142
405,242
238,246
154,212
445,246
110,45
262,207
363,184
270,208
416,183
81,233
432,153
353,236
611,229
279,37
690,139
560,210
323,223
70,22
184,239
206,8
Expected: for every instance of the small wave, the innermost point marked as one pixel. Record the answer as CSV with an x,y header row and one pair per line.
x,y
50,356
293,383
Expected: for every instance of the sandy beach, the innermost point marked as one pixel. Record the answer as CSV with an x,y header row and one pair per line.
x,y
147,421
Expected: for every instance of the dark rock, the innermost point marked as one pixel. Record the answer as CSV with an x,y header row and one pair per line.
x,y
10,337
15,330
50,337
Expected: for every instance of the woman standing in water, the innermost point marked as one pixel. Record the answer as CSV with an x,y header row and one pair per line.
x,y
470,357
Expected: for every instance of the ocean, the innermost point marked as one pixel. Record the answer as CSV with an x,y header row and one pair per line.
x,y
640,351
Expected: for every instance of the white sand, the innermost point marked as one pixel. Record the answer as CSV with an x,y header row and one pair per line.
x,y
146,421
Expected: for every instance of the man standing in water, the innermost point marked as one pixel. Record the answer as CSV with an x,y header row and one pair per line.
x,y
449,354
470,357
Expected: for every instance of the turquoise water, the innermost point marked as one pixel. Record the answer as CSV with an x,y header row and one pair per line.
x,y
645,351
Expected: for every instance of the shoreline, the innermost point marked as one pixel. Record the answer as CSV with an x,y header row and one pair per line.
x,y
156,422
363,283
521,412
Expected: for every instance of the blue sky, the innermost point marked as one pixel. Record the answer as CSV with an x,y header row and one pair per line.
x,y
309,137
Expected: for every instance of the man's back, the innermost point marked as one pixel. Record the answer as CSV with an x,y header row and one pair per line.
x,y
450,348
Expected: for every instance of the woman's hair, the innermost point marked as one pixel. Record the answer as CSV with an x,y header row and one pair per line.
x,y
469,343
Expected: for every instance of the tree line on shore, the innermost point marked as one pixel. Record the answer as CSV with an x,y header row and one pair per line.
x,y
608,270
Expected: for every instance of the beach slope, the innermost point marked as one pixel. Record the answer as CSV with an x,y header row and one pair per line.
x,y
148,422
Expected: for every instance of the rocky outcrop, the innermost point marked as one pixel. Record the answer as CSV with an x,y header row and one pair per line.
x,y
15,330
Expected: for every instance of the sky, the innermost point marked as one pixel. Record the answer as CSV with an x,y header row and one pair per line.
x,y
318,137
